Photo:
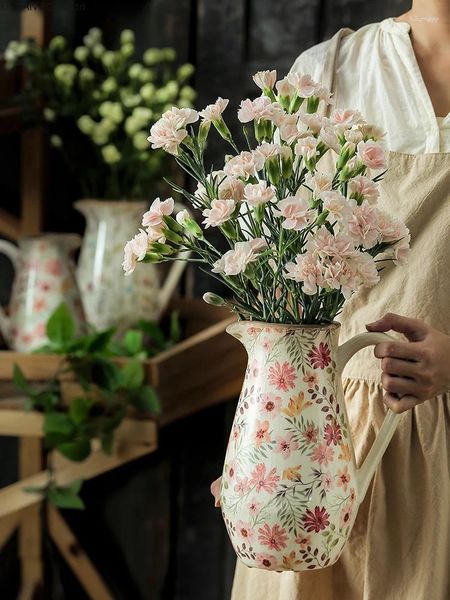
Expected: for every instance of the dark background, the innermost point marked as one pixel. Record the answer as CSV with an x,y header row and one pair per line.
x,y
151,527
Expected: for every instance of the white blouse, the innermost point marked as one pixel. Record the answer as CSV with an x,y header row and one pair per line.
x,y
377,73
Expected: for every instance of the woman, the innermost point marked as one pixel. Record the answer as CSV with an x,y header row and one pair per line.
x,y
397,73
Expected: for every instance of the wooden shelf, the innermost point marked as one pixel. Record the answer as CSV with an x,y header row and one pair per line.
x,y
205,369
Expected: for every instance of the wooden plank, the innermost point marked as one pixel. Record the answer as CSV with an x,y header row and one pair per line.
x,y
76,557
20,423
207,368
32,181
37,367
14,497
30,424
9,225
7,527
30,536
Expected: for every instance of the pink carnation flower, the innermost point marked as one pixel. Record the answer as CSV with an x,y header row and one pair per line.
x,y
371,154
258,193
213,112
235,261
306,269
260,108
265,79
363,187
219,213
296,212
154,216
245,164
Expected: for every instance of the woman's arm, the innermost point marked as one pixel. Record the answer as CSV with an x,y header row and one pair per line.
x,y
415,370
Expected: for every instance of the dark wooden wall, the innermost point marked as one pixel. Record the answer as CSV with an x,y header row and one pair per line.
x,y
151,527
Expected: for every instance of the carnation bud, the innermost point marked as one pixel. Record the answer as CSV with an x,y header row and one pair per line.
x,y
152,257
203,132
163,249
213,299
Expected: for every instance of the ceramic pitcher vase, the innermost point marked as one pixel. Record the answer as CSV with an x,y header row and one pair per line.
x,y
44,278
109,298
290,486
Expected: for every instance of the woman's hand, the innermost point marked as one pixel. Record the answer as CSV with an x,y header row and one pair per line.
x,y
414,370
215,491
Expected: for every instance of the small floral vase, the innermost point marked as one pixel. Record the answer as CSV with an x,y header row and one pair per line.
x,y
110,299
44,278
290,486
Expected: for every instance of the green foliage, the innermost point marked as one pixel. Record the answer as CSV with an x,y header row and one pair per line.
x,y
108,386
98,105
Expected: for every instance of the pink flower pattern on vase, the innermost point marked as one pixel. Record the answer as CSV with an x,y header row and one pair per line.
x,y
44,279
288,497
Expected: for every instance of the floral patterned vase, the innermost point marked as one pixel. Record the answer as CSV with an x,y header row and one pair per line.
x,y
290,486
109,298
44,279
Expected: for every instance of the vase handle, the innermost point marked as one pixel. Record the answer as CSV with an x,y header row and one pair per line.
x,y
12,252
367,470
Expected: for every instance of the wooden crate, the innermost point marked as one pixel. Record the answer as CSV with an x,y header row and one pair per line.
x,y
204,369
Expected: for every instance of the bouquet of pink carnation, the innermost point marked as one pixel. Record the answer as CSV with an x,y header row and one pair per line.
x,y
303,237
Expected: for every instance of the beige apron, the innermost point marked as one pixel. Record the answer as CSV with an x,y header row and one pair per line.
x,y
400,545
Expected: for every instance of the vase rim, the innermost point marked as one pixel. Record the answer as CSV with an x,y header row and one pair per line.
x,y
333,325
106,202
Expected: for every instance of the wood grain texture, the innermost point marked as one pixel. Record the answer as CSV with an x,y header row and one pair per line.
x,y
76,557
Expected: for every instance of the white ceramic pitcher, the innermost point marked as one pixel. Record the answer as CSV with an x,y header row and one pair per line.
x,y
290,486
44,278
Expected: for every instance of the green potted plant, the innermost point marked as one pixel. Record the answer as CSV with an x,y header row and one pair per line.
x,y
97,105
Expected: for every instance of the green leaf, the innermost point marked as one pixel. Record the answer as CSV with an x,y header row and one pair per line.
x,y
98,342
175,328
132,375
146,399
59,423
66,497
61,327
105,374
133,341
154,331
20,381
77,450
79,409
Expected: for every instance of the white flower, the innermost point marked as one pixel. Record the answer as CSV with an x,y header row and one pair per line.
x,y
135,250
296,212
265,79
266,150
306,147
291,128
258,193
353,135
366,269
260,108
337,205
219,213
182,217
213,112
328,136
345,118
306,269
284,88
244,165
166,134
157,211
363,187
319,182
304,85
235,261
314,121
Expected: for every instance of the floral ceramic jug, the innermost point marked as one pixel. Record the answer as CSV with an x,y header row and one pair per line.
x,y
44,279
290,486
109,298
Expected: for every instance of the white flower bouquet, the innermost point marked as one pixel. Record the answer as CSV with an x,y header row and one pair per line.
x,y
96,103
302,237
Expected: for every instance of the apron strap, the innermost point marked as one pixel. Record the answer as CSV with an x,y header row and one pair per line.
x,y
329,67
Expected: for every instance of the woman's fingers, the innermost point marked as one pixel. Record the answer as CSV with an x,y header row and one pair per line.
x,y
403,350
399,367
400,385
215,491
399,405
